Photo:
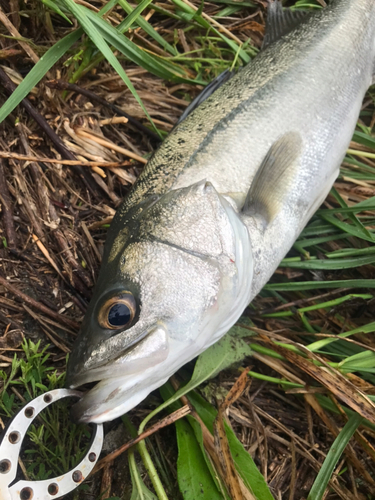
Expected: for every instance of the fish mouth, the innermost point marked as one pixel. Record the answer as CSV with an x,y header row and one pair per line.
x,y
118,375
112,397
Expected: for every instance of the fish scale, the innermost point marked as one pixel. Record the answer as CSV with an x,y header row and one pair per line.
x,y
222,201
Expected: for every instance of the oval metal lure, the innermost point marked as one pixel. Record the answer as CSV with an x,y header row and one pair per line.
x,y
10,448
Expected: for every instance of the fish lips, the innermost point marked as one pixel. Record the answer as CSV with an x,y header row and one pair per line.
x,y
149,352
113,397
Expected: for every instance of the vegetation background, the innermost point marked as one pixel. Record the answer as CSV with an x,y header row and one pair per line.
x,y
291,413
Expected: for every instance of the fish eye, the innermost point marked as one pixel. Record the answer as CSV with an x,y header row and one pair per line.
x,y
118,312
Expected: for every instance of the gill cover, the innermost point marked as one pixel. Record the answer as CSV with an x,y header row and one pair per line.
x,y
169,266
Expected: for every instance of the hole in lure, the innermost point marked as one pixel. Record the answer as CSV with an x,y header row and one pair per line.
x,y
53,489
29,412
14,437
5,466
77,476
26,493
47,398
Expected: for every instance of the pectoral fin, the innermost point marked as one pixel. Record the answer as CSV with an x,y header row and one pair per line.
x,y
274,178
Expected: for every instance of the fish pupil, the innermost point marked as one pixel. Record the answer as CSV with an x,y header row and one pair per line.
x,y
119,315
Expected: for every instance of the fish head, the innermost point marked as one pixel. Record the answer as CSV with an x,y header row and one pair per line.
x,y
170,277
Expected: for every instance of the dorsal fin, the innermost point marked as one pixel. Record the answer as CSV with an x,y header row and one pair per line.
x,y
273,180
206,92
280,21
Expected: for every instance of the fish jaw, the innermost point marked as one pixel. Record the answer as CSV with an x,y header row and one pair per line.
x,y
112,397
148,352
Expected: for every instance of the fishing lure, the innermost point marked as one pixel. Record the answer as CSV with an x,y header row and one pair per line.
x,y
10,448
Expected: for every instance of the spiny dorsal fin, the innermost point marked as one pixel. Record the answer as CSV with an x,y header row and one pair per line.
x,y
274,178
280,21
206,92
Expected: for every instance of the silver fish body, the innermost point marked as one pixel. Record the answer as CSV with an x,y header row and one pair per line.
x,y
220,204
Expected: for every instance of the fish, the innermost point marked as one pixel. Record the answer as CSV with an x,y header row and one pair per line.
x,y
221,202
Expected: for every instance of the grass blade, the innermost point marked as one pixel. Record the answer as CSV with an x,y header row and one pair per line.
x,y
157,66
245,466
51,5
194,478
351,215
347,228
319,344
333,456
363,361
219,356
145,25
84,17
139,491
38,71
328,263
192,14
364,139
316,285
133,15
167,392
